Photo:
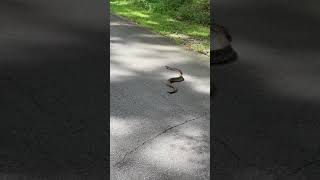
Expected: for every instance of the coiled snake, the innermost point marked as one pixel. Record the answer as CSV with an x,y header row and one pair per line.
x,y
175,79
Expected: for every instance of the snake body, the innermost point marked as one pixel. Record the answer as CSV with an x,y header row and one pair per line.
x,y
175,79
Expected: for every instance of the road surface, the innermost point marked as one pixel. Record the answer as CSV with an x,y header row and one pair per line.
x,y
155,135
53,89
267,107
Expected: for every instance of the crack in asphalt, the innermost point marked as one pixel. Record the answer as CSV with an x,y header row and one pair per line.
x,y
228,148
121,163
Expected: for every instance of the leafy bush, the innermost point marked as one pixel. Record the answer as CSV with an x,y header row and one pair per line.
x,y
197,11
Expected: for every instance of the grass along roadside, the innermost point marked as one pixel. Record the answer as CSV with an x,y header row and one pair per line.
x,y
192,36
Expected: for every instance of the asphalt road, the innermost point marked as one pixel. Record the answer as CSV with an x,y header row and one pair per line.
x,y
155,135
53,89
267,106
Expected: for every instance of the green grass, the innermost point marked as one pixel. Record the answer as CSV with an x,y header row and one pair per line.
x,y
191,35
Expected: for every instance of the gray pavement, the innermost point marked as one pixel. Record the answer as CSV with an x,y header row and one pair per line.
x,y
155,135
267,106
53,89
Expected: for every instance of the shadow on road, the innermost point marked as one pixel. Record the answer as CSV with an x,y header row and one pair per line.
x,y
267,103
53,89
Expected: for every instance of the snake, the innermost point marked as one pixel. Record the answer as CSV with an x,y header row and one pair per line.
x,y
175,79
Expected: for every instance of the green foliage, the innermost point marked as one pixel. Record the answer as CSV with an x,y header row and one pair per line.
x,y
197,11
192,35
